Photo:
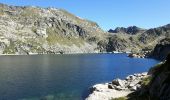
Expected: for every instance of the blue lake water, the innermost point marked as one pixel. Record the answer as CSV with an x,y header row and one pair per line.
x,y
63,77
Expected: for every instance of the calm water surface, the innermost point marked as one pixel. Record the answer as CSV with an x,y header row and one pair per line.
x,y
62,77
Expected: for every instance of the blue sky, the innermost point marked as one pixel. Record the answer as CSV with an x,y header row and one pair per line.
x,y
111,13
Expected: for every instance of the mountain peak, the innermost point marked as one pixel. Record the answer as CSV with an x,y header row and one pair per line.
x,y
129,30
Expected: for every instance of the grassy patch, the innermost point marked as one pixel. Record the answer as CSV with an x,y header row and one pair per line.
x,y
10,49
55,37
1,13
146,81
30,12
157,68
79,20
31,44
120,98
35,46
34,29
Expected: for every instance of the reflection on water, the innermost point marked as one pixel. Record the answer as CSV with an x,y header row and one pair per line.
x,y
62,77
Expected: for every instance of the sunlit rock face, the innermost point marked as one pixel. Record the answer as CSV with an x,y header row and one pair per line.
x,y
52,30
27,30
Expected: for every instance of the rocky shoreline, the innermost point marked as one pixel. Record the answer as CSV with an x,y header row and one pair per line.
x,y
63,53
142,54
117,88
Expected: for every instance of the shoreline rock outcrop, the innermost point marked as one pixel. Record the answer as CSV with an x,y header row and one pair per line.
x,y
117,88
152,86
162,49
136,55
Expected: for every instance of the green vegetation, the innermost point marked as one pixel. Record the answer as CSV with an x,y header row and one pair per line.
x,y
79,20
146,81
33,42
36,46
151,83
69,15
1,13
33,46
38,50
11,49
30,12
157,69
158,65
34,29
54,37
137,96
120,98
92,23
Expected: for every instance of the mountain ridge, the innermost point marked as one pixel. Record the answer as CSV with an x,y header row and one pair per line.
x,y
56,28
144,39
36,30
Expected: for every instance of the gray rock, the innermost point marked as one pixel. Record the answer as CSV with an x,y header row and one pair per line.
x,y
118,82
131,85
130,77
110,86
134,88
119,88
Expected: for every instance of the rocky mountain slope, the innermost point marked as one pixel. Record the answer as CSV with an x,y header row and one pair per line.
x,y
35,30
138,39
27,30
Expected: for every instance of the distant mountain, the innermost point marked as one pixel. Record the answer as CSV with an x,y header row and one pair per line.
x,y
137,39
133,30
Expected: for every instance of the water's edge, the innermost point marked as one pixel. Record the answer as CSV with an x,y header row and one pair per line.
x,y
118,87
116,52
